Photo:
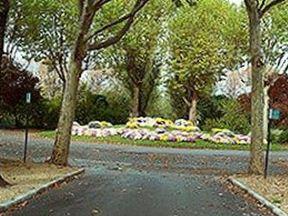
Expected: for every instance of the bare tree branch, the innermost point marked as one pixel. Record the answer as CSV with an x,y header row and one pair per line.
x,y
110,25
262,4
257,3
248,5
186,101
98,4
80,7
112,40
54,65
129,18
269,6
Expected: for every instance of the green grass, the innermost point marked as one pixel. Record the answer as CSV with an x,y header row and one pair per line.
x,y
200,144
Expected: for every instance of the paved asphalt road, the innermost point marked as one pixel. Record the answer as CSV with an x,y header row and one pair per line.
x,y
138,181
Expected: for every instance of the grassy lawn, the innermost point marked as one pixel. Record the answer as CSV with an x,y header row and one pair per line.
x,y
200,144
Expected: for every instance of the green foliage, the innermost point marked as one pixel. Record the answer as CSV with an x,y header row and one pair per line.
x,y
135,59
275,35
118,110
42,114
211,107
283,137
42,28
279,18
48,113
279,136
45,113
92,107
234,118
203,42
160,106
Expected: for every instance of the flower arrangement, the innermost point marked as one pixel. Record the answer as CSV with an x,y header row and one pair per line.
x,y
132,124
162,123
227,136
159,129
184,123
98,124
148,122
90,129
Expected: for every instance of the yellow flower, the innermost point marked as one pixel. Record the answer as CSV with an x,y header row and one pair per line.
x,y
132,125
164,137
217,130
183,128
105,124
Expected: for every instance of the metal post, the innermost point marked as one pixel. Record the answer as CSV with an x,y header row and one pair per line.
x,y
28,101
26,137
268,148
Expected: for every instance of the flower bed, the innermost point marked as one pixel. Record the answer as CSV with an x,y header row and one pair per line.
x,y
160,129
148,122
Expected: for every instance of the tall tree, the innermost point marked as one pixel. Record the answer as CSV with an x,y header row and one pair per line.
x,y
4,10
43,31
88,40
136,60
256,10
201,48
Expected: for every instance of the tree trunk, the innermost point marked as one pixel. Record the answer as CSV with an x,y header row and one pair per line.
x,y
136,101
82,45
5,6
63,136
258,114
193,110
61,147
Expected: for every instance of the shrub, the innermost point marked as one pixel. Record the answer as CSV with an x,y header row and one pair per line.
x,y
6,120
211,107
283,137
14,84
160,106
49,113
234,119
278,99
92,107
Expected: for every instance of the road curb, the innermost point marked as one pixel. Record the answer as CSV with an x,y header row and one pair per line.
x,y
277,211
45,187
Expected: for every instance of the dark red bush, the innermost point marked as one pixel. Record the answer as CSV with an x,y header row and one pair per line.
x,y
278,94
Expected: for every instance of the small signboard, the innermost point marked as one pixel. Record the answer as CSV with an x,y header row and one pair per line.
x,y
274,114
28,97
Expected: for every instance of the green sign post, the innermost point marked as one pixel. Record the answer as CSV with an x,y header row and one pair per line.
x,y
274,114
28,101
